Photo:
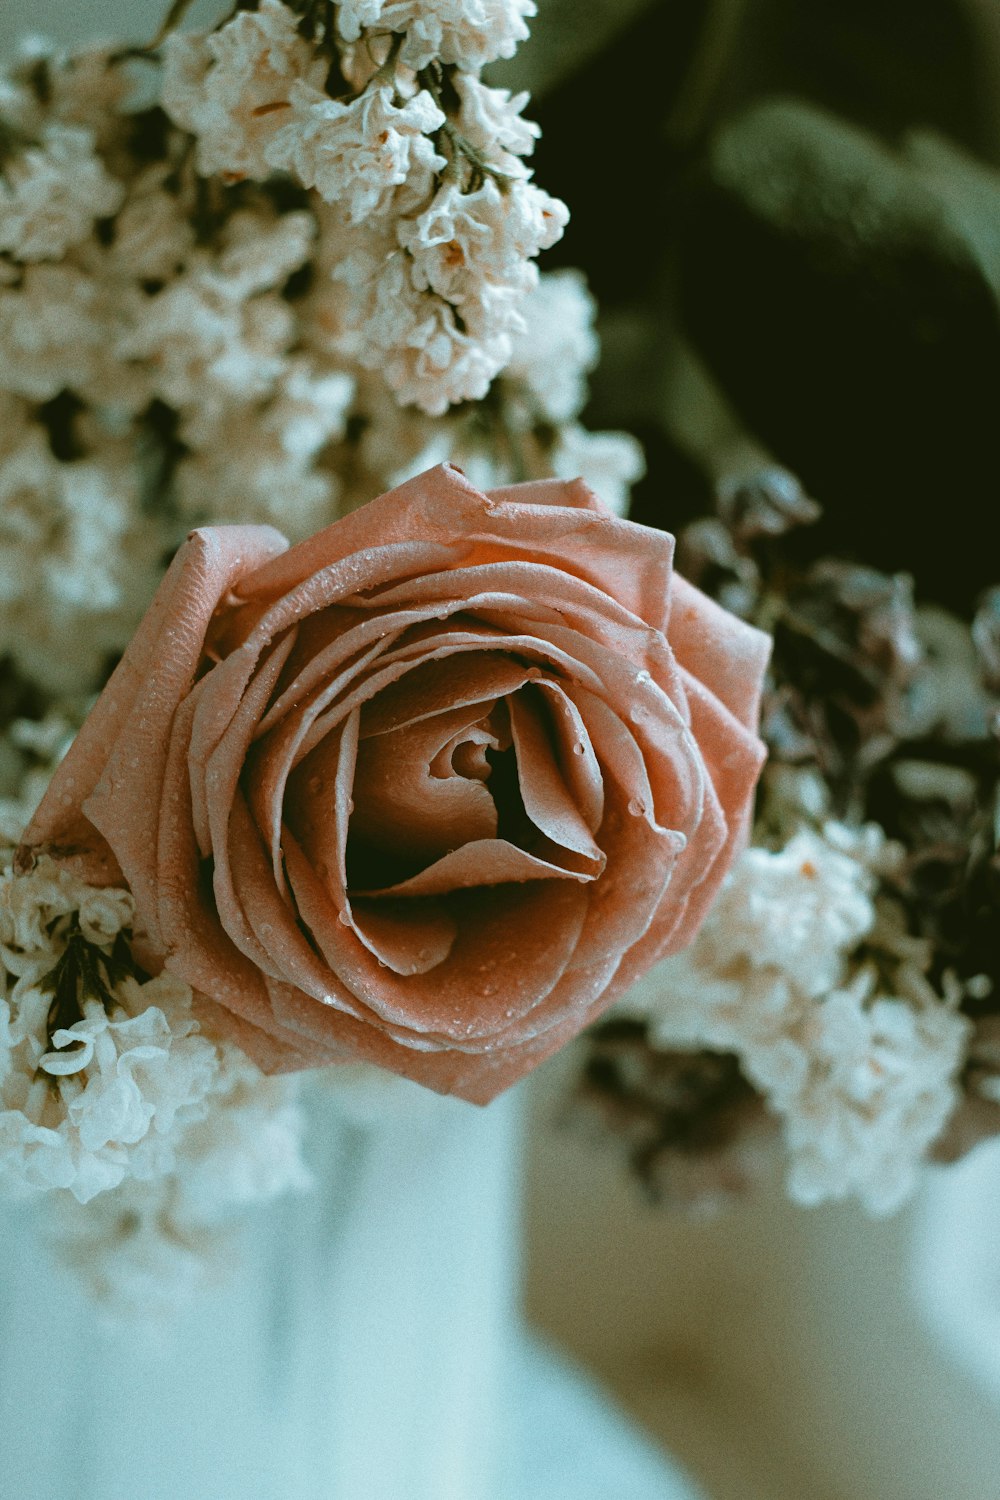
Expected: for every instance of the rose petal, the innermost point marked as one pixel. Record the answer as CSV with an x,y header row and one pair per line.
x,y
127,731
319,810
715,647
482,862
547,799
501,936
402,807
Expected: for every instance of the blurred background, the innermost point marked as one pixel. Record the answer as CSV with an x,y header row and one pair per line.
x,y
790,218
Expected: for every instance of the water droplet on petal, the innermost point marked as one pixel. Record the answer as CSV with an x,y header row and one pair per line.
x,y
344,917
641,677
315,783
636,808
579,748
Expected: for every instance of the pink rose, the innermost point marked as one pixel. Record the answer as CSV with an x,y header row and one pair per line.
x,y
430,789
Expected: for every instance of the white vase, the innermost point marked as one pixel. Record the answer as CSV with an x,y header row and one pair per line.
x,y
365,1345
955,1267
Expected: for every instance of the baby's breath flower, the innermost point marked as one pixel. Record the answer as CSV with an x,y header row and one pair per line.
x,y
52,192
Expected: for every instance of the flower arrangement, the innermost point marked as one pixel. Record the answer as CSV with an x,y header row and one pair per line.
x,y
437,782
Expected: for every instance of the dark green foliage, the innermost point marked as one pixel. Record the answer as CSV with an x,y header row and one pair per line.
x,y
830,289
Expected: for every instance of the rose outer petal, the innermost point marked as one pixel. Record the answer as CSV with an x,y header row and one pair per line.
x,y
109,782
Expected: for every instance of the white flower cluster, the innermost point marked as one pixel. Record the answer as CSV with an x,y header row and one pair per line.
x,y
127,1096
145,1248
178,349
52,192
863,1080
538,433
76,564
439,221
469,33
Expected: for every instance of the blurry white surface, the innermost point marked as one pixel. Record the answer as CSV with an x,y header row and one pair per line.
x,y
779,1352
956,1263
365,1345
358,1349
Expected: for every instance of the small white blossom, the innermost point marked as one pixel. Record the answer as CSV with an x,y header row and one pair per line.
x,y
53,332
76,561
610,462
879,1086
463,239
82,87
232,88
259,254
799,909
260,464
361,152
103,1097
470,33
491,120
52,193
863,1082
354,16
553,356
153,234
205,346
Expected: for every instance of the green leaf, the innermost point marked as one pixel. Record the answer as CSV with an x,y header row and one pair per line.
x,y
840,300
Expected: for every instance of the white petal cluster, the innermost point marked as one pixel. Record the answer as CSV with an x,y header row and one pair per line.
x,y
872,1088
231,88
52,192
82,87
102,1098
492,121
439,223
862,1080
436,312
470,33
359,153
610,462
261,462
171,1135
145,1248
552,357
76,562
465,243
54,329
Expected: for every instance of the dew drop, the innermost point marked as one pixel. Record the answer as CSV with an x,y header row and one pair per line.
x,y
579,748
636,808
315,783
344,918
637,714
642,677
489,989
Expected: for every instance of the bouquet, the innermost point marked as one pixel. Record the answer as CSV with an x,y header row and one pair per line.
x,y
352,733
